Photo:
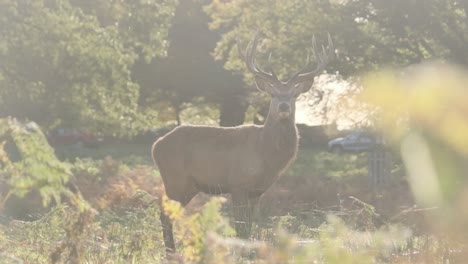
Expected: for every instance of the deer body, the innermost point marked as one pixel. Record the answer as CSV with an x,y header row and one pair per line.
x,y
243,161
218,160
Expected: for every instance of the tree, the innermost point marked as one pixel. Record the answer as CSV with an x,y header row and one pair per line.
x,y
287,29
368,34
69,63
189,77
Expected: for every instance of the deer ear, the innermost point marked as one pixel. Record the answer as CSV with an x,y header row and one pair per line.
x,y
263,85
303,87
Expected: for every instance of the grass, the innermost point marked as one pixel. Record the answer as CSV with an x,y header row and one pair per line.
x,y
126,152
319,212
322,162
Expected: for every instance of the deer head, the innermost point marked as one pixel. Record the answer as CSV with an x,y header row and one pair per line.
x,y
284,94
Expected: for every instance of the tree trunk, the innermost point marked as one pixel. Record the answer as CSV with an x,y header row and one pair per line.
x,y
261,115
232,111
177,111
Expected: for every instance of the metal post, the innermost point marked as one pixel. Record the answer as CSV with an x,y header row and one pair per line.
x,y
379,167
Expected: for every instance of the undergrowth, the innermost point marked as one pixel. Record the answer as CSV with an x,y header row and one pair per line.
x,y
107,211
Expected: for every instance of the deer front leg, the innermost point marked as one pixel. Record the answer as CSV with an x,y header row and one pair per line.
x,y
243,209
167,233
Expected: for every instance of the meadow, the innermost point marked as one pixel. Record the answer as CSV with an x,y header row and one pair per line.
x,y
322,210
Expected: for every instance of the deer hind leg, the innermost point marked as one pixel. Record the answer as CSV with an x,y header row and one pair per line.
x,y
243,209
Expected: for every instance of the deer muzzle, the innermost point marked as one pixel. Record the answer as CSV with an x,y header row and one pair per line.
x,y
284,110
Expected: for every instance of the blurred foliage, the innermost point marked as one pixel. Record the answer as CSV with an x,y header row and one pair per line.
x,y
36,170
194,229
332,242
424,109
69,62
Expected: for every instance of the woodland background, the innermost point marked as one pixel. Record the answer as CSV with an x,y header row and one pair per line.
x,y
124,69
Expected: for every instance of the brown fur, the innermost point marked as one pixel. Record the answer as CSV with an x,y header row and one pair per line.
x,y
225,159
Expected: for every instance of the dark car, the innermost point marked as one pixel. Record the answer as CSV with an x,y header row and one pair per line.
x,y
356,141
70,136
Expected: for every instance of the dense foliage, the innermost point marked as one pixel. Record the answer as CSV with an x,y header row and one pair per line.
x,y
368,34
29,164
97,64
69,62
188,85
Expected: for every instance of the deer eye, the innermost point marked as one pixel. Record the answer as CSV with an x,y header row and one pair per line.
x,y
297,86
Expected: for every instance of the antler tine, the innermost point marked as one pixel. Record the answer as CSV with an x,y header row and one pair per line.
x,y
324,52
323,56
307,64
270,67
239,50
322,59
314,47
331,48
250,61
250,53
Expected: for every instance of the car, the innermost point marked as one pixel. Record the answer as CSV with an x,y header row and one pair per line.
x,y
356,141
70,136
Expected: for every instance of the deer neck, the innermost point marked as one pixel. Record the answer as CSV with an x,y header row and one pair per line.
x,y
279,140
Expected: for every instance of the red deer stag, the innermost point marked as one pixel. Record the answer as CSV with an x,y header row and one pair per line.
x,y
243,161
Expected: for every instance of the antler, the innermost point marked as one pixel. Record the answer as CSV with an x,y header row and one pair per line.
x,y
322,59
249,58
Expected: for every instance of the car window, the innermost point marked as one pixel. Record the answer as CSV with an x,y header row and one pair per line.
x,y
352,136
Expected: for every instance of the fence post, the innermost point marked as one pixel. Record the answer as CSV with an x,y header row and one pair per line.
x,y
379,166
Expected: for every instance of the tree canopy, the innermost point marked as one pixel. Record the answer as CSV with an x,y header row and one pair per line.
x,y
111,66
189,77
368,34
69,62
